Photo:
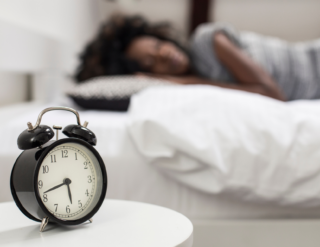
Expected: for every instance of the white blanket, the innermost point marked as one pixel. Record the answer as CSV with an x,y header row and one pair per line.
x,y
226,141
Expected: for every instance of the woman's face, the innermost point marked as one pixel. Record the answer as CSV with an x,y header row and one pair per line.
x,y
158,56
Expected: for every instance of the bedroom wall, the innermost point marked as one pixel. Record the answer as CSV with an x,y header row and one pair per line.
x,y
293,20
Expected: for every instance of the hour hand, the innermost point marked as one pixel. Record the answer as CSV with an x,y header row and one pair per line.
x,y
55,187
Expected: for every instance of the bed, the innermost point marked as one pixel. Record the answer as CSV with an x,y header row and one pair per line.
x,y
219,220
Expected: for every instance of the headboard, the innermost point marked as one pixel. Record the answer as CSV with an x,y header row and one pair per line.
x,y
199,13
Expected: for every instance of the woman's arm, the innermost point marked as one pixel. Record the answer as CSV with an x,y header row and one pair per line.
x,y
250,76
243,68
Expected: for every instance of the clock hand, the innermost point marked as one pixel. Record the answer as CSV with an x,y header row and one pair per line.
x,y
55,187
69,192
68,181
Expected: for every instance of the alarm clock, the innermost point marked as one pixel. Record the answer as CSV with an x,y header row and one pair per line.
x,y
61,181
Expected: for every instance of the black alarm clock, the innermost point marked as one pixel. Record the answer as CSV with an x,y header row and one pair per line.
x,y
61,181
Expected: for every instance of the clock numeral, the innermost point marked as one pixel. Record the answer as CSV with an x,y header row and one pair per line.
x,y
76,156
85,165
53,158
45,169
40,184
89,179
68,209
45,197
64,153
56,205
87,193
79,204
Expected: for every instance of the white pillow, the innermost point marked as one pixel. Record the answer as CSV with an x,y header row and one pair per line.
x,y
226,141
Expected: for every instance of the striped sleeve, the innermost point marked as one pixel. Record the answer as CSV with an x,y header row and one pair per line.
x,y
203,55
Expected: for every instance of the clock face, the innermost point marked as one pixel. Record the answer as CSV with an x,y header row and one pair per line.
x,y
70,181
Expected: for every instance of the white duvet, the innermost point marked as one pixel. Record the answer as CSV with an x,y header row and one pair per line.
x,y
226,141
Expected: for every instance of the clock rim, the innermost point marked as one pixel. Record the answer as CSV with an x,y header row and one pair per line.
x,y
15,196
104,182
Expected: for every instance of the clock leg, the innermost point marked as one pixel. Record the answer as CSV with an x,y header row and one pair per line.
x,y
44,223
90,220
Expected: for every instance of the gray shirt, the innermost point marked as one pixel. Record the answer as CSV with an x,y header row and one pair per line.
x,y
295,67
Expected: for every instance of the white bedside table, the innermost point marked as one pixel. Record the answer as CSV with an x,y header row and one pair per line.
x,y
117,223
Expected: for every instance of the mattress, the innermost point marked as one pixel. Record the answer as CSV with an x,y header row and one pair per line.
x,y
130,175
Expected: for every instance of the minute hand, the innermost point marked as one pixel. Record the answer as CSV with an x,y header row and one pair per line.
x,y
69,192
55,187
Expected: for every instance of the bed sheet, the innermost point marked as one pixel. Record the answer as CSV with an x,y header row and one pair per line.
x,y
130,175
220,141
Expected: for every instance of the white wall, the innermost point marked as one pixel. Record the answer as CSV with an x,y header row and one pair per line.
x,y
293,20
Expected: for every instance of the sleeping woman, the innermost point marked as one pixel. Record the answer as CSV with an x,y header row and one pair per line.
x,y
216,55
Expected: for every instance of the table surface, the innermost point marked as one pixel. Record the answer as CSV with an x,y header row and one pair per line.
x,y
117,223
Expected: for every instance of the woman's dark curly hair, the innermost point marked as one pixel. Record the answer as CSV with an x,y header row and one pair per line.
x,y
105,55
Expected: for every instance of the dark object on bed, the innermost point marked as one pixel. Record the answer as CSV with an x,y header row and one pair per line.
x,y
102,104
111,93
